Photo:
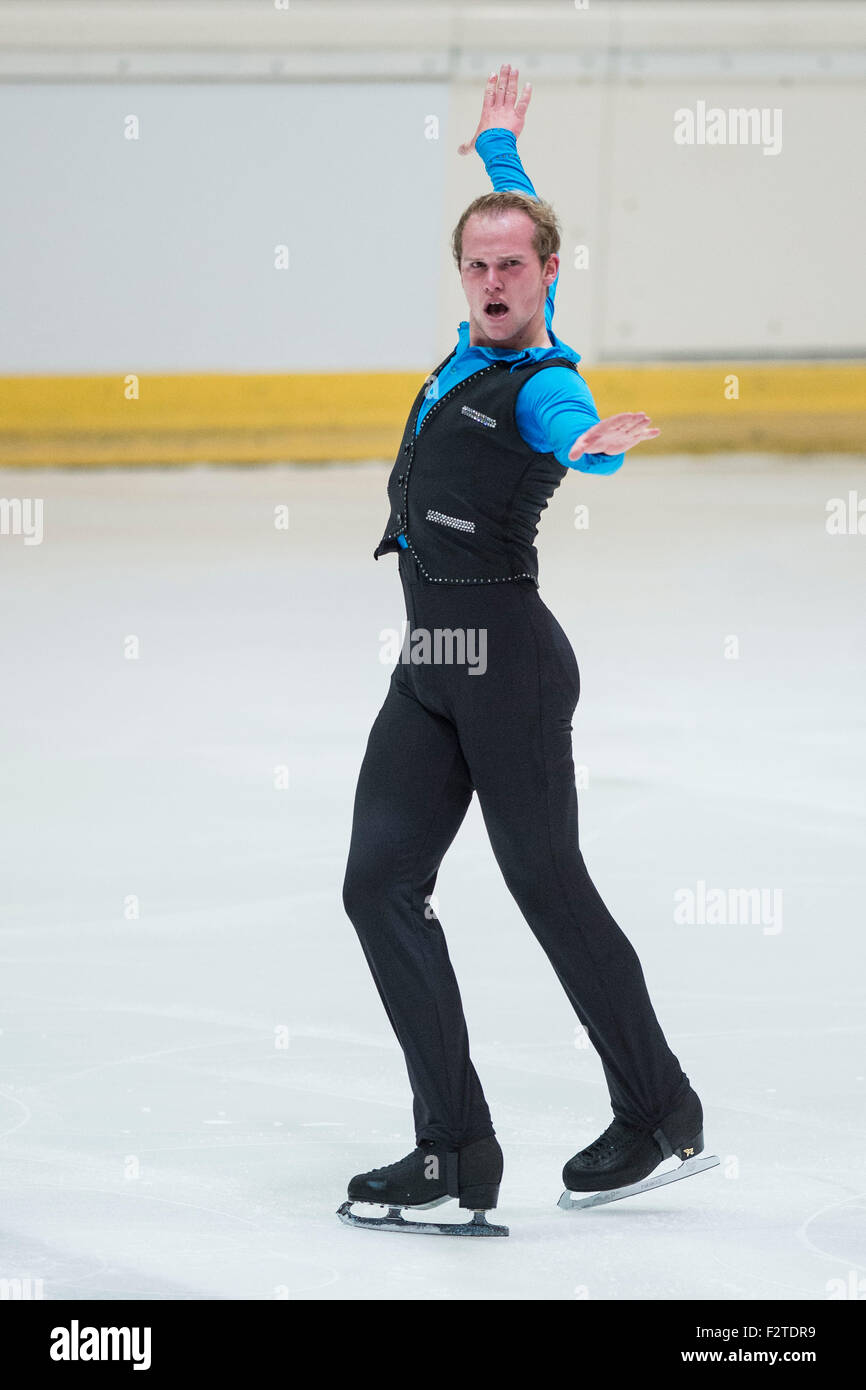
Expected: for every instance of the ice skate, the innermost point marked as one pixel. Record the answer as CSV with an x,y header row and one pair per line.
x,y
623,1160
427,1177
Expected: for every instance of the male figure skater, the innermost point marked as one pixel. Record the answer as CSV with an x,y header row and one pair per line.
x,y
487,442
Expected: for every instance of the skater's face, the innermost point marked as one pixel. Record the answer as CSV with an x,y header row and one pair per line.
x,y
500,266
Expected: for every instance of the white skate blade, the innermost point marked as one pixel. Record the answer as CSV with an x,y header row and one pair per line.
x,y
571,1201
478,1226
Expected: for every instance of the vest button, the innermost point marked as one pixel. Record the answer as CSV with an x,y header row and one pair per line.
x,y
406,448
399,516
399,477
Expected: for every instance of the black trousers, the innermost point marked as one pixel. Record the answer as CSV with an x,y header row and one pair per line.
x,y
498,723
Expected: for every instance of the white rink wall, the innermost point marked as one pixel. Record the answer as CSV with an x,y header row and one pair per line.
x,y
332,130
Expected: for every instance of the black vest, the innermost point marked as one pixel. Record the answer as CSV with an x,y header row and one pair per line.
x,y
468,492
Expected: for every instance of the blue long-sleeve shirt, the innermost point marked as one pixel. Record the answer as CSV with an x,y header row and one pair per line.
x,y
555,406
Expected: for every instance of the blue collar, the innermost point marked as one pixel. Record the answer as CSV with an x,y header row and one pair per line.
x,y
517,356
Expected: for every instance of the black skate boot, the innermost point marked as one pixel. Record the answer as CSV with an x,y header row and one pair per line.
x,y
427,1177
619,1162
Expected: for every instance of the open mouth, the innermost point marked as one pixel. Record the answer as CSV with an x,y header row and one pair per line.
x,y
495,309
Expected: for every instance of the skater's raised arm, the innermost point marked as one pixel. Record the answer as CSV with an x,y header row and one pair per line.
x,y
503,116
555,411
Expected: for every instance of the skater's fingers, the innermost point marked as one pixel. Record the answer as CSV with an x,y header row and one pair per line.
x,y
486,108
626,417
580,444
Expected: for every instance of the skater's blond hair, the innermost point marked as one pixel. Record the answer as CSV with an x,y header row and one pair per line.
x,y
545,236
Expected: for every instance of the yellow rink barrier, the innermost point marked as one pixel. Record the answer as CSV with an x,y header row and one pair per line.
x,y
85,421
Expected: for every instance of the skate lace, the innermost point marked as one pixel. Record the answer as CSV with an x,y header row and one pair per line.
x,y
390,1167
610,1141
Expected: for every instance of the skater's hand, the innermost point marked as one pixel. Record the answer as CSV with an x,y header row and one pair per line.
x,y
614,435
501,106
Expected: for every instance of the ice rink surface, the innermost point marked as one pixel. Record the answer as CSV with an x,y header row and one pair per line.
x,y
193,1057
